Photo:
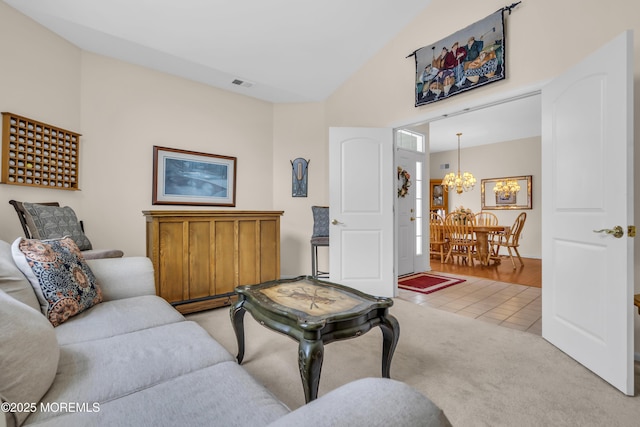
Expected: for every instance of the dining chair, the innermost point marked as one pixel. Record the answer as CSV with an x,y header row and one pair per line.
x,y
459,231
484,218
437,236
510,239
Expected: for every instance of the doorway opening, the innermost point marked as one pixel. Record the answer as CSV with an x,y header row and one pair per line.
x,y
512,144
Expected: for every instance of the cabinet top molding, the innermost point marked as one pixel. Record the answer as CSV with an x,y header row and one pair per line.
x,y
208,213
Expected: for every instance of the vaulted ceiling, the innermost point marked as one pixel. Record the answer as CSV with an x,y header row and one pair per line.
x,y
279,51
283,50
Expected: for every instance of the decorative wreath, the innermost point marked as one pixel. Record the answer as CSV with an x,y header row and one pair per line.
x,y
406,182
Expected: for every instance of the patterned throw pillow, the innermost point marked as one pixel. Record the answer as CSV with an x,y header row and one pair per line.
x,y
61,279
54,222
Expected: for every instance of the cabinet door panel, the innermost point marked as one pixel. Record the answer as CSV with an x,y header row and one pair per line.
x,y
269,253
199,259
224,261
248,264
171,273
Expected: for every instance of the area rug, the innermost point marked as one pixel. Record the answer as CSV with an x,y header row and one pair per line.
x,y
427,283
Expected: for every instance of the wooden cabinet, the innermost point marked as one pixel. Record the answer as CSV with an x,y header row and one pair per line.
x,y
201,256
438,197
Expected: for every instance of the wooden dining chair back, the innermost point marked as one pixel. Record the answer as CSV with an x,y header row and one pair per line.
x,y
461,241
485,218
511,239
437,239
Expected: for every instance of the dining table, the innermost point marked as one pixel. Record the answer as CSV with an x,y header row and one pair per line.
x,y
482,233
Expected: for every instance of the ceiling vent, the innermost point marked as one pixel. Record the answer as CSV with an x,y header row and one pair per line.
x,y
242,83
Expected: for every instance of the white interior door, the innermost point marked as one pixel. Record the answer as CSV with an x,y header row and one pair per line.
x,y
361,192
587,185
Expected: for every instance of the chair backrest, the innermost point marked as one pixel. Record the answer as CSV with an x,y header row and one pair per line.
x,y
436,227
459,227
22,216
485,218
516,229
320,221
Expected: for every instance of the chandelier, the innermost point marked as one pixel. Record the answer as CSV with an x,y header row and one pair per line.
x,y
460,182
506,188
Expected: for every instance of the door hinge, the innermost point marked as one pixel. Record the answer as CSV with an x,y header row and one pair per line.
x,y
631,231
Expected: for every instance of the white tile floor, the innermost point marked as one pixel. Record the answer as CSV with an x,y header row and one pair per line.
x,y
505,304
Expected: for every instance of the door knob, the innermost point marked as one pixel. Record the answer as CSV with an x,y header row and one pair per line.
x,y
617,231
412,219
335,222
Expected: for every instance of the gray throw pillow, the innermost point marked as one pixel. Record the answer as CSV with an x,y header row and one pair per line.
x,y
54,222
29,355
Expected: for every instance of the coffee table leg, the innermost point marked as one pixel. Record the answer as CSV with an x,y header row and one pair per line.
x,y
310,356
237,320
390,334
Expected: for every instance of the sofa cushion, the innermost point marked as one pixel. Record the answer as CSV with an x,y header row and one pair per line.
x,y
61,279
220,395
29,355
117,367
12,281
124,277
117,317
53,222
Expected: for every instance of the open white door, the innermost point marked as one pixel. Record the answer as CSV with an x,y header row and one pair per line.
x,y
361,192
587,185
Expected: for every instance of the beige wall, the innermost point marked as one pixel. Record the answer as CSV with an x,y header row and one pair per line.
x,y
39,78
127,109
513,158
299,131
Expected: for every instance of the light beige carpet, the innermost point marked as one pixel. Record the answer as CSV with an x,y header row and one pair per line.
x,y
480,374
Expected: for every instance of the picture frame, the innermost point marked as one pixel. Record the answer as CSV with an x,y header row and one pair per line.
x,y
182,177
467,59
521,200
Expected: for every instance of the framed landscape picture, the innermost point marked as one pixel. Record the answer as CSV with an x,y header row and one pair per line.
x,y
182,177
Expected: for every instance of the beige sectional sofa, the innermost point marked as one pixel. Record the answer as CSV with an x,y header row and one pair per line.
x,y
132,359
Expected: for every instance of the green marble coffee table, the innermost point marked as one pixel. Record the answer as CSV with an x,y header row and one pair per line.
x,y
315,313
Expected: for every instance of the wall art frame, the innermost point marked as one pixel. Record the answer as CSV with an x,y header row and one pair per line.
x,y
467,59
492,201
182,177
299,177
